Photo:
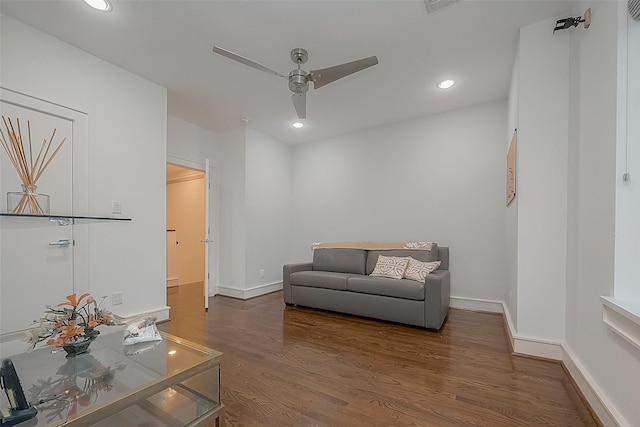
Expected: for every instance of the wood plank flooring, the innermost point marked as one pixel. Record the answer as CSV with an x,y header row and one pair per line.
x,y
292,366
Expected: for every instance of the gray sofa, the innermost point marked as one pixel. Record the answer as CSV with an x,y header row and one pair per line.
x,y
338,280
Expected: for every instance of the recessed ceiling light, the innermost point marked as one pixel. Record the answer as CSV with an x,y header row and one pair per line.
x,y
446,84
101,5
297,125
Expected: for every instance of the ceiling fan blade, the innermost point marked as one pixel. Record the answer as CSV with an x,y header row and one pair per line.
x,y
331,74
246,61
300,104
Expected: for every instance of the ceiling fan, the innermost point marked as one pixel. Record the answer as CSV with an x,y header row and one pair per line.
x,y
299,79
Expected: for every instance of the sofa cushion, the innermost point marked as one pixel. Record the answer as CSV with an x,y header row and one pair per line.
x,y
392,267
398,288
418,270
320,279
340,260
425,256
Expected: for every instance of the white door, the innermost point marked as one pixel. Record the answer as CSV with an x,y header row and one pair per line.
x,y
207,234
38,262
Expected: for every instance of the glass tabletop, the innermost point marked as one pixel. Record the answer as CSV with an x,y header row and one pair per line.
x,y
112,377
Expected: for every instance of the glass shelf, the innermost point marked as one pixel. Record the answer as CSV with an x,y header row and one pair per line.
x,y
65,218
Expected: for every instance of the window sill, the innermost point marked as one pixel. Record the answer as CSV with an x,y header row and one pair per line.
x,y
623,317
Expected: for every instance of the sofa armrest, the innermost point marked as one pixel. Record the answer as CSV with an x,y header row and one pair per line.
x,y
437,288
287,269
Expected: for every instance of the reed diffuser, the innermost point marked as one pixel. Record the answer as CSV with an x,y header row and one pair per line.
x,y
29,169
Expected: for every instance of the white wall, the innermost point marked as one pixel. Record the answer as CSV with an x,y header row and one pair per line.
x,y
192,144
251,198
543,132
610,364
232,215
268,204
511,264
439,178
126,157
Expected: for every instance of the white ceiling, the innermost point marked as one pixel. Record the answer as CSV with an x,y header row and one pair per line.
x,y
170,42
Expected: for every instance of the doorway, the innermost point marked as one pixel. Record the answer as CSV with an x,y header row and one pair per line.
x,y
186,198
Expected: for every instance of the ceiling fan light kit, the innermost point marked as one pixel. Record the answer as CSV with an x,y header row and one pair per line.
x,y
299,79
101,5
446,84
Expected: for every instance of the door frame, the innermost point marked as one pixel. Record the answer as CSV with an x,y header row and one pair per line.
x,y
206,168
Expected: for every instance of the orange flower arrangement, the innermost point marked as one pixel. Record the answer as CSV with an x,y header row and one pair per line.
x,y
72,321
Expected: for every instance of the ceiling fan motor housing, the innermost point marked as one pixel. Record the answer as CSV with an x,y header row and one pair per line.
x,y
298,81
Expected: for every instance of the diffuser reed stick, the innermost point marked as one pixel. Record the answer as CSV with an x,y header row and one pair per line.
x,y
28,170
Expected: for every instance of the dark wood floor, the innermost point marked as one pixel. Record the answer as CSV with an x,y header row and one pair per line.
x,y
291,366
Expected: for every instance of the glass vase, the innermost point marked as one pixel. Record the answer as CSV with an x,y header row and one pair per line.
x,y
28,201
78,347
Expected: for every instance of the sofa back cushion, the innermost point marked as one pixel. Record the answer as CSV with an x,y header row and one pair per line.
x,y
340,260
426,256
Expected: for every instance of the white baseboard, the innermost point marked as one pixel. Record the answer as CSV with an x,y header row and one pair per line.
x,y
508,324
536,347
476,304
161,314
530,346
598,400
595,397
13,343
256,291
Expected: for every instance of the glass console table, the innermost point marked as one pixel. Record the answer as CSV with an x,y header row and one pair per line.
x,y
172,382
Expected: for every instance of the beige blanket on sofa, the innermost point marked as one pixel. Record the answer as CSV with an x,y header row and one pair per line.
x,y
421,246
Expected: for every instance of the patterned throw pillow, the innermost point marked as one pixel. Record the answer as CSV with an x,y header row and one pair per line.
x,y
418,270
390,266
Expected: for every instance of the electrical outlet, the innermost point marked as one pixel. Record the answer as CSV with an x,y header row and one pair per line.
x,y
262,273
116,207
116,298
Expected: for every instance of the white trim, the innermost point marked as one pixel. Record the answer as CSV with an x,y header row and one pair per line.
x,y
537,347
161,314
511,330
622,316
207,233
12,336
186,162
524,345
595,396
256,291
530,346
476,304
